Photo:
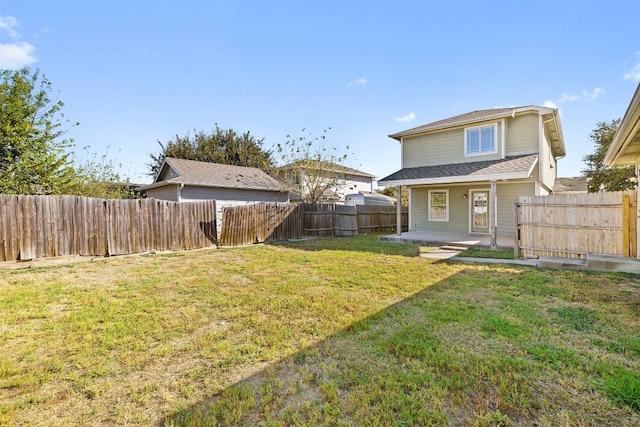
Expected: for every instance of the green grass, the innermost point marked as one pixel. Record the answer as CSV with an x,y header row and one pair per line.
x,y
487,253
344,331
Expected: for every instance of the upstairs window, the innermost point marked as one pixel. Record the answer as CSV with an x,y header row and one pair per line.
x,y
480,140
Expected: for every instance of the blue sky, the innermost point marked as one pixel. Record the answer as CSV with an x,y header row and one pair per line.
x,y
137,72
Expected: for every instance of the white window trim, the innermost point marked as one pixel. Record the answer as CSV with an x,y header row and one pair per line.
x,y
495,140
446,192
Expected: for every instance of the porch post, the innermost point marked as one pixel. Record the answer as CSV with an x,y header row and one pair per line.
x,y
493,205
399,211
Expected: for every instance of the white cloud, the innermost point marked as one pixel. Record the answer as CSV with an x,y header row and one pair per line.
x,y
358,82
585,94
16,54
7,23
568,98
634,72
409,117
593,94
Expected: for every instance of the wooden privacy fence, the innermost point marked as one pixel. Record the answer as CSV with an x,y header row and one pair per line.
x,y
572,225
51,226
263,222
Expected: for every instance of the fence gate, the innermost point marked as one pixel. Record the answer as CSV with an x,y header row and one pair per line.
x,y
572,225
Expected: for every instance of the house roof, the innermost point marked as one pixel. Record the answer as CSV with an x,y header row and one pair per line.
x,y
207,174
625,147
330,167
576,184
550,115
514,167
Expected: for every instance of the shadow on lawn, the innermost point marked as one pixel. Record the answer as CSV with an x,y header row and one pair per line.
x,y
303,380
435,358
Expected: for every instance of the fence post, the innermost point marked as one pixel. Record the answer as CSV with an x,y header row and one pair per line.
x,y
626,248
516,231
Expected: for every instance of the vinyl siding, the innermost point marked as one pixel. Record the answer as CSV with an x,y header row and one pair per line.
x,y
508,194
354,184
166,192
445,147
547,165
458,210
459,207
522,134
194,193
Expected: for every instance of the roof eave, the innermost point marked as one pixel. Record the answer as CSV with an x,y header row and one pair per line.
x,y
629,128
209,185
457,179
541,110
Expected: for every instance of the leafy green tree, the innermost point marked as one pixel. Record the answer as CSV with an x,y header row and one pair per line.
x,y
602,177
99,176
312,171
219,146
33,157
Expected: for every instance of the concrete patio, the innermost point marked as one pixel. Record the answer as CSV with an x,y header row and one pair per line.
x,y
451,244
454,239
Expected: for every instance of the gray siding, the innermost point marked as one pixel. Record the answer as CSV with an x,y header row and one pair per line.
x,y
192,193
459,207
167,192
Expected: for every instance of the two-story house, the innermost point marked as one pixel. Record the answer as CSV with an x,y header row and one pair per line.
x,y
324,181
464,173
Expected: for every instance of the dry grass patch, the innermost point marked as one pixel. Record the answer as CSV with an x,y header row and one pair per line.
x,y
327,332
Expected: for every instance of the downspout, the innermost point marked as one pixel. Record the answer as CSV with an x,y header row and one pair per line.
x,y
180,187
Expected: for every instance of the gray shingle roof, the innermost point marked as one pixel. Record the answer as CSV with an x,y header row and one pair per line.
x,y
332,167
463,119
481,170
218,175
576,184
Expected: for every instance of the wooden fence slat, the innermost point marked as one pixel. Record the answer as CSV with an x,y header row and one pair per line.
x,y
576,224
264,222
51,226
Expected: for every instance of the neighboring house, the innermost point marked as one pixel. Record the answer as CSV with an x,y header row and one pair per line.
x,y
464,173
182,180
571,185
625,147
339,180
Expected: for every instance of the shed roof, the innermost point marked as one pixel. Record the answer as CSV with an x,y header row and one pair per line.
x,y
329,167
207,174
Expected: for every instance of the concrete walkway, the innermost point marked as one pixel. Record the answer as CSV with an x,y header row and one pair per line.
x,y
450,245
438,238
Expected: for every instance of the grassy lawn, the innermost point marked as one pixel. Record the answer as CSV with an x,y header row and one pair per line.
x,y
343,331
487,253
